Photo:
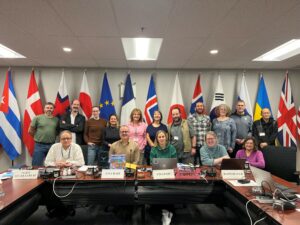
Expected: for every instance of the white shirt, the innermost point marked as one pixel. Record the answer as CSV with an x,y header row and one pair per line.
x,y
72,155
73,122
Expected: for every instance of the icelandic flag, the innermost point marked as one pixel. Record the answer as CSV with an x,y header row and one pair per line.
x,y
244,95
219,98
151,103
106,103
286,117
85,98
262,100
128,102
33,108
62,103
177,101
10,122
197,96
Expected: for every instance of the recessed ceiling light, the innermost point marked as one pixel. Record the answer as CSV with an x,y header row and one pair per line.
x,y
282,52
67,49
214,51
6,52
141,48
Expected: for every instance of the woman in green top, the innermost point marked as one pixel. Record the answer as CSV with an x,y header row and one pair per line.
x,y
162,147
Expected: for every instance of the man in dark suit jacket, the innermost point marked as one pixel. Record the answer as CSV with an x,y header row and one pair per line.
x,y
74,122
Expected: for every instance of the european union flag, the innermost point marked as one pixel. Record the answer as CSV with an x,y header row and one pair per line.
x,y
106,103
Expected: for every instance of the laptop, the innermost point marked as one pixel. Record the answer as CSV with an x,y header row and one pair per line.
x,y
164,163
233,164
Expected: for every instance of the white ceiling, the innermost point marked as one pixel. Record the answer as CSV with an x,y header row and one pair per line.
x,y
240,29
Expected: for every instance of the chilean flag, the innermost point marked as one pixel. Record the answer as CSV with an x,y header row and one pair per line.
x,y
151,103
33,108
85,98
197,96
177,101
62,102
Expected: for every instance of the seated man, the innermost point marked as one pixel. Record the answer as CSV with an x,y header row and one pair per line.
x,y
212,153
65,153
126,147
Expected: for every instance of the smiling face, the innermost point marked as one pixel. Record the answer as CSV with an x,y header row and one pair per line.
x,y
157,116
265,113
95,112
124,133
199,108
161,138
211,140
75,106
176,116
249,145
48,109
113,120
66,139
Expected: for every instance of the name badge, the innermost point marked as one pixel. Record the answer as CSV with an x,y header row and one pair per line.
x,y
163,174
112,174
262,134
25,174
233,174
176,138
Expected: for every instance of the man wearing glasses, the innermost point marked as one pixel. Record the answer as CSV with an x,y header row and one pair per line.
x,y
65,153
212,153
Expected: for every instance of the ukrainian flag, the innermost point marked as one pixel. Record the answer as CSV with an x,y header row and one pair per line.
x,y
262,100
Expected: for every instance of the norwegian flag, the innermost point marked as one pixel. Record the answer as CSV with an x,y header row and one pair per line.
x,y
298,124
33,108
286,117
197,96
62,103
151,103
85,98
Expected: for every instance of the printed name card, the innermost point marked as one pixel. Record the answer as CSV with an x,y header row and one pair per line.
x,y
163,174
112,174
25,174
233,174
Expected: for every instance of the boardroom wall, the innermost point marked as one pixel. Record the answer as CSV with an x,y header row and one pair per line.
x,y
48,81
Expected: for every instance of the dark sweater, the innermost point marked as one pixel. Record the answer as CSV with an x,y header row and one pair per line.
x,y
110,135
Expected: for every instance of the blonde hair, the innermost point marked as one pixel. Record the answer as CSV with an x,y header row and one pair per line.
x,y
156,137
136,110
227,108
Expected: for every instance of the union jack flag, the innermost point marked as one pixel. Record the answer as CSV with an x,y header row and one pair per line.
x,y
151,103
286,117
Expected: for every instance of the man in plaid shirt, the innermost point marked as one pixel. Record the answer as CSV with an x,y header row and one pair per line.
x,y
201,125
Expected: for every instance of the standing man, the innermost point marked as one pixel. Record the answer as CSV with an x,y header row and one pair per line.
x,y
44,129
265,130
126,147
74,122
201,125
182,137
243,124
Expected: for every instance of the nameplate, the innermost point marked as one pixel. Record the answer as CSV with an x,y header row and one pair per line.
x,y
112,174
233,174
25,174
130,166
163,174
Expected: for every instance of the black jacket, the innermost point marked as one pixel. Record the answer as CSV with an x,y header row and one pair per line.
x,y
265,132
78,127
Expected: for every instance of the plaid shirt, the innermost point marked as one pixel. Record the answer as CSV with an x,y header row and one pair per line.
x,y
201,125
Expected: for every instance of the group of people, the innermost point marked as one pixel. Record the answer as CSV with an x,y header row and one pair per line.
x,y
196,140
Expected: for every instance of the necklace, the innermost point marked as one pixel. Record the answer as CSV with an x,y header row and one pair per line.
x,y
62,152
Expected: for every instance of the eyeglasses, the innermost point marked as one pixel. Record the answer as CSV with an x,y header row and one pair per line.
x,y
124,131
210,138
65,139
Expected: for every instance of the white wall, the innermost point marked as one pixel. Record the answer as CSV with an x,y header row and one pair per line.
x,y
48,80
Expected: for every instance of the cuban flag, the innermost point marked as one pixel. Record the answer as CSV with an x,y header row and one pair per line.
x,y
219,98
286,117
197,96
128,102
244,95
10,122
62,103
151,103
85,98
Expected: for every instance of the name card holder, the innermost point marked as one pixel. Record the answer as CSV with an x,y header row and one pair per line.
x,y
25,174
163,174
233,174
112,174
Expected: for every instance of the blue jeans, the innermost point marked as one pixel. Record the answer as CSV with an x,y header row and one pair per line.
x,y
40,153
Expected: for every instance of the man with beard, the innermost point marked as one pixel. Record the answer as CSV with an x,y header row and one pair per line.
x,y
74,122
182,137
201,125
44,129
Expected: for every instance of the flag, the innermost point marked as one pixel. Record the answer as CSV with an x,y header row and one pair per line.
x,y
33,108
298,123
151,103
262,99
85,98
197,96
106,103
177,101
219,98
62,102
10,122
128,102
286,117
244,95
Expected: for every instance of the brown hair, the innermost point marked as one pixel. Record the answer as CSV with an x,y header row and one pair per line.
x,y
136,110
227,108
156,137
254,143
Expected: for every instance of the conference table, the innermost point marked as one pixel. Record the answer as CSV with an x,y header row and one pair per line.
x,y
24,196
